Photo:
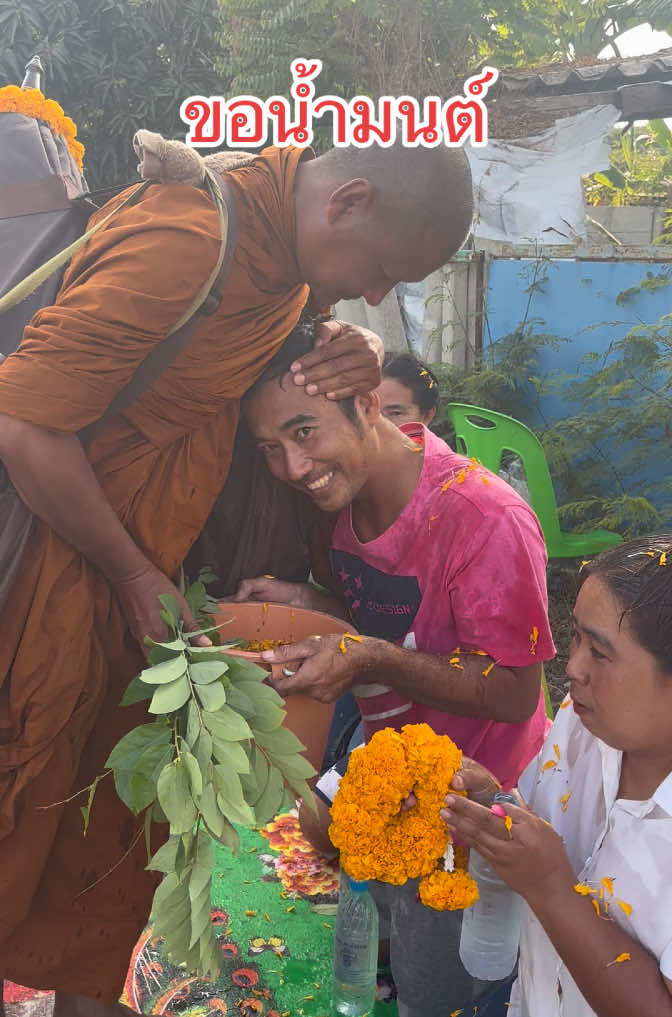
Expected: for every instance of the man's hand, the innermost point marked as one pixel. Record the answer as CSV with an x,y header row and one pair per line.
x,y
480,785
138,596
323,666
275,591
345,361
530,857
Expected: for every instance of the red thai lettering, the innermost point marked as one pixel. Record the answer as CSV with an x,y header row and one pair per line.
x,y
340,120
246,121
368,130
415,132
200,112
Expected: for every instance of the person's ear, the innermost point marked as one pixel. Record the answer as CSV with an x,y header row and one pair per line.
x,y
368,406
352,197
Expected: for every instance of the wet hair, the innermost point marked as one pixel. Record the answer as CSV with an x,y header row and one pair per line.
x,y
416,376
298,343
639,575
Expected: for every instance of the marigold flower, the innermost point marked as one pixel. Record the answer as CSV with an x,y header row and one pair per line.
x,y
448,891
31,103
375,839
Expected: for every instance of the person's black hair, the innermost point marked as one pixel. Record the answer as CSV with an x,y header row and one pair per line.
x,y
298,343
416,376
639,575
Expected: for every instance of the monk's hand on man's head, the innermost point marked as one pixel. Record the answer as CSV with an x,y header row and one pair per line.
x,y
138,596
345,361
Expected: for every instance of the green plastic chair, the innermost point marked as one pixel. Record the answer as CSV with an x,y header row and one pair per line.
x,y
484,435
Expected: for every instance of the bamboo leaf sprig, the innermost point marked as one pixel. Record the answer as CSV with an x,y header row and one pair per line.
x,y
215,755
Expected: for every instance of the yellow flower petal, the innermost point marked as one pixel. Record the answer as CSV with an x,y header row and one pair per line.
x,y
534,639
556,749
488,669
583,889
663,558
508,823
623,904
608,884
564,801
596,906
625,956
550,764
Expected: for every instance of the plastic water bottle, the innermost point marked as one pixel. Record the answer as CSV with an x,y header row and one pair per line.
x,y
355,952
490,927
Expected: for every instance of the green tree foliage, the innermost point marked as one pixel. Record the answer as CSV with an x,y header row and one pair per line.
x,y
419,48
115,66
640,170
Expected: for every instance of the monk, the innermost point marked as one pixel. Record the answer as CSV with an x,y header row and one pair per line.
x,y
115,519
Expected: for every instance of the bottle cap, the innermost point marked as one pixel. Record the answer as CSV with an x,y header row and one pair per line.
x,y
359,885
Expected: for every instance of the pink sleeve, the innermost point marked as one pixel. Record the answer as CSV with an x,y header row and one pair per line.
x,y
498,593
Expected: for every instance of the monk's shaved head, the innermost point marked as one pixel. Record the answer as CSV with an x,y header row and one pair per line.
x,y
368,218
421,188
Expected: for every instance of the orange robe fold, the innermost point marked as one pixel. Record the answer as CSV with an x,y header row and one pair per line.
x,y
66,655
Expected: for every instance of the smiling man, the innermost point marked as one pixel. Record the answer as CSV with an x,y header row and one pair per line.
x,y
441,566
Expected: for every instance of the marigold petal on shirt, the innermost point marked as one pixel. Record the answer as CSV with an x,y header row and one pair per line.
x,y
608,884
596,906
556,749
583,889
623,904
564,801
550,764
488,669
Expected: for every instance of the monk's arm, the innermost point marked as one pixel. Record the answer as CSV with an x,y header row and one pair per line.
x,y
54,478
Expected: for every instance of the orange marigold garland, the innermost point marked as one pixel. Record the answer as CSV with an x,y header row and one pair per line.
x,y
376,840
31,103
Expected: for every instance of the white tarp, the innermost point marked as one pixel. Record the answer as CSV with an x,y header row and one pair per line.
x,y
530,189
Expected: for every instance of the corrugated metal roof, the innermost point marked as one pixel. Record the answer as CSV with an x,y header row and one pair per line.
x,y
571,79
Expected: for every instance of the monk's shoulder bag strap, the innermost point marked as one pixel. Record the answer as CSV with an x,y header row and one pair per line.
x,y
15,518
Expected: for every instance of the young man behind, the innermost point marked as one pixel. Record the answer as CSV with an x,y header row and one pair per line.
x,y
441,566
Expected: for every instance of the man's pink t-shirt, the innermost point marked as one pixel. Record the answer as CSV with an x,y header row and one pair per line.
x,y
464,565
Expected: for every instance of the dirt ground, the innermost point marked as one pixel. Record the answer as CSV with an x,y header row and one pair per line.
x,y
562,587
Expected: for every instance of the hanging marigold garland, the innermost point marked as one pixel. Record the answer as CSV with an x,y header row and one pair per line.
x,y
376,840
32,103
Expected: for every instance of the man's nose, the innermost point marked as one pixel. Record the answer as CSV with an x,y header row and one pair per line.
x,y
298,465
577,669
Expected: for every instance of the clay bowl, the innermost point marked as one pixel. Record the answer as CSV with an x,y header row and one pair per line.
x,y
308,718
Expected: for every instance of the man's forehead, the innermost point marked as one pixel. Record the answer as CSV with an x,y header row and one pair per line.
x,y
281,405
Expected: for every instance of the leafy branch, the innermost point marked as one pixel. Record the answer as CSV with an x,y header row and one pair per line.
x,y
215,755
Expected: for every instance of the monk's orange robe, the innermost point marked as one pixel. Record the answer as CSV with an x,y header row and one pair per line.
x,y
71,908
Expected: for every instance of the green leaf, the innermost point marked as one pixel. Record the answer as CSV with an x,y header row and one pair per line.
x,y
230,797
165,672
260,692
169,698
141,792
136,692
202,749
131,747
174,794
204,863
164,859
153,759
227,725
200,915
230,837
196,597
171,647
267,717
194,771
239,702
280,742
207,671
172,607
212,697
86,809
242,670
267,805
288,801
194,727
294,766
231,754
211,812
